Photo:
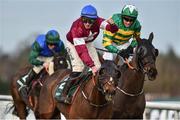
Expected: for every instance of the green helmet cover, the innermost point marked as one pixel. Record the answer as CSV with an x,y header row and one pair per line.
x,y
52,37
129,10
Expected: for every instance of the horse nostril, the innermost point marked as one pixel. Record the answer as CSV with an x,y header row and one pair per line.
x,y
153,72
114,92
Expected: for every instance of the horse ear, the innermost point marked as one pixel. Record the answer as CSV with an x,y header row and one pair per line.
x,y
138,39
151,36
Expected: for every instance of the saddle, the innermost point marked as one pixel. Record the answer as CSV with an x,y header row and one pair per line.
x,y
77,81
34,87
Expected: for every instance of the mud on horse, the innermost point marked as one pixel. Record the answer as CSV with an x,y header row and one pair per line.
x,y
129,99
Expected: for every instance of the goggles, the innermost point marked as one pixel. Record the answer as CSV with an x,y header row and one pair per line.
x,y
128,19
88,20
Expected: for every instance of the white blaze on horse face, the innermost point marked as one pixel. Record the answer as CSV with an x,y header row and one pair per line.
x,y
111,79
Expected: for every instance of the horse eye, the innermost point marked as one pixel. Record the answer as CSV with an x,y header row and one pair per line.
x,y
102,71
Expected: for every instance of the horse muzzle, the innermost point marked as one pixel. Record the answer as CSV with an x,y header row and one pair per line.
x,y
152,73
109,93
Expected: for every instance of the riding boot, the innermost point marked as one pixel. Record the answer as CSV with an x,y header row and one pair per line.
x,y
64,95
24,90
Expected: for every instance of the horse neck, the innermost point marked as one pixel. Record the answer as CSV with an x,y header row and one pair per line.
x,y
132,80
92,92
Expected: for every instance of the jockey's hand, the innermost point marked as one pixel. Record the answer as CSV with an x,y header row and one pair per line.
x,y
46,65
94,70
112,27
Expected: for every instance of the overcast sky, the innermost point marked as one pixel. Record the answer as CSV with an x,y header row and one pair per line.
x,y
19,19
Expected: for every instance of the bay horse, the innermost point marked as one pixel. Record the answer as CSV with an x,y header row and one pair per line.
x,y
92,99
129,100
19,104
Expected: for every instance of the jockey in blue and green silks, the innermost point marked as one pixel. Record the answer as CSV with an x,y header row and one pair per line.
x,y
121,42
41,55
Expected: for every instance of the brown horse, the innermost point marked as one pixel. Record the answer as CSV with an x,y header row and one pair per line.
x,y
20,105
129,99
93,98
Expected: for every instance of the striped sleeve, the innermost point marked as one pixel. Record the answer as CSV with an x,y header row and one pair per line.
x,y
108,40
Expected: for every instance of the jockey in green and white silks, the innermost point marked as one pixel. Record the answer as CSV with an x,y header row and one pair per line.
x,y
122,42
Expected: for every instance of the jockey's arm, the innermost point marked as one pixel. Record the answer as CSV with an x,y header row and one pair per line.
x,y
82,51
34,54
108,25
81,48
108,40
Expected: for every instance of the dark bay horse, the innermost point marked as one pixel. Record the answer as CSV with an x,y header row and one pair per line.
x,y
93,98
130,99
19,104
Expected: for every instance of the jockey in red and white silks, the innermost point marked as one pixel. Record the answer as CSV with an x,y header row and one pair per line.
x,y
81,36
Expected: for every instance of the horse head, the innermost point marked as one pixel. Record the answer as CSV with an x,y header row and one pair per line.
x,y
61,60
145,56
107,79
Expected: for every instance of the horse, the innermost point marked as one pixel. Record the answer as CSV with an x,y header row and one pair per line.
x,y
19,104
92,99
129,101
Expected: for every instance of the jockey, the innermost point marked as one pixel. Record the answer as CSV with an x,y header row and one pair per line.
x,y
80,43
41,55
121,42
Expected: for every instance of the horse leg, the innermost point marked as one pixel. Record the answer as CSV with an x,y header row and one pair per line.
x,y
20,107
56,114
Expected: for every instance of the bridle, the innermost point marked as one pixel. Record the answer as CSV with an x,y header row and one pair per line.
x,y
99,86
89,101
140,67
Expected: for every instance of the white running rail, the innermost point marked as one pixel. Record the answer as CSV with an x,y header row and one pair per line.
x,y
162,110
154,110
5,98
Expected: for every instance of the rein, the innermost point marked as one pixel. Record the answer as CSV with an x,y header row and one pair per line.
x,y
132,68
129,65
90,102
129,94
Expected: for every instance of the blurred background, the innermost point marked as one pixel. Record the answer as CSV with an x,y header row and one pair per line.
x,y
22,20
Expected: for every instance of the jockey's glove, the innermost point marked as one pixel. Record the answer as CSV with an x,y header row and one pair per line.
x,y
123,53
112,28
129,50
126,52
